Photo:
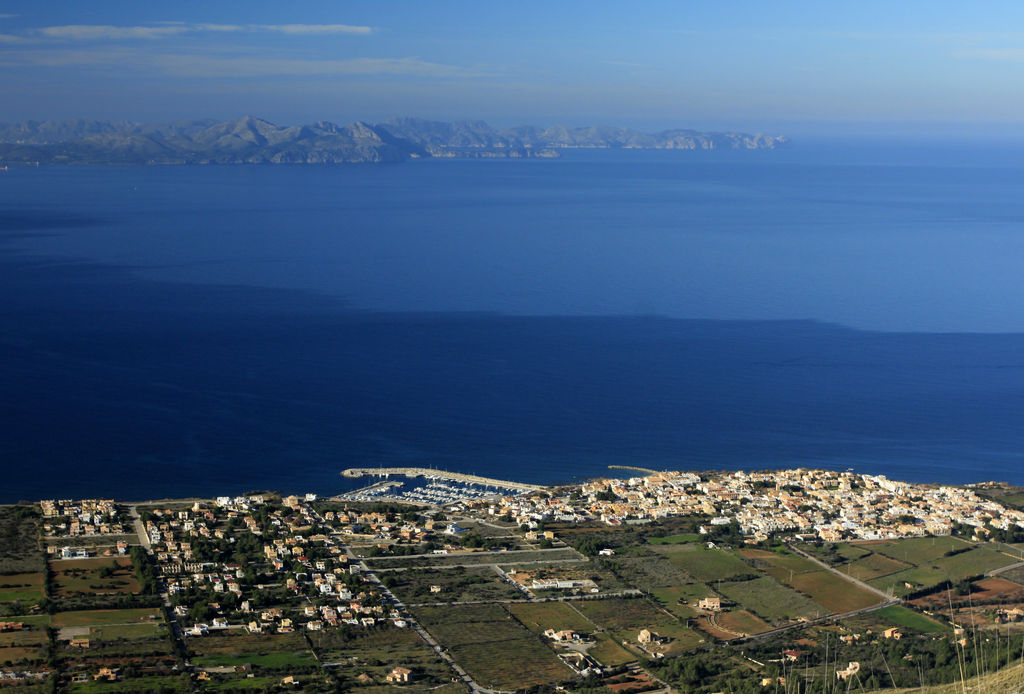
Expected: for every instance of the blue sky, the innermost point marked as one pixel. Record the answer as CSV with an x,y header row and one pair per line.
x,y
857,66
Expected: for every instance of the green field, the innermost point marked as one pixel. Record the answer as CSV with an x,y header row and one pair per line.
x,y
770,600
625,618
918,577
143,685
493,647
675,539
128,631
609,653
918,550
88,618
375,652
852,552
457,585
779,564
619,613
873,566
900,616
678,599
562,554
85,576
647,569
270,661
26,588
742,621
705,564
832,592
974,562
540,616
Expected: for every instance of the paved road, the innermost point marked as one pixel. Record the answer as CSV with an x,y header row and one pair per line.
x,y
837,572
483,566
1001,569
140,530
627,593
413,624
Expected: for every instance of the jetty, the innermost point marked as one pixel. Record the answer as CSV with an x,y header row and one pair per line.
x,y
442,474
634,467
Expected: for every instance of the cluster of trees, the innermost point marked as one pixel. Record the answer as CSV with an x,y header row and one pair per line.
x,y
910,662
144,570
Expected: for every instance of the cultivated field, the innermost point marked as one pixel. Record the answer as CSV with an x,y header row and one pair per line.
x,y
832,592
873,566
87,618
493,647
266,651
375,652
456,585
540,616
705,564
73,577
769,600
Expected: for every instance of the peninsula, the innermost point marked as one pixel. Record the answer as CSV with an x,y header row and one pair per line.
x,y
250,140
784,580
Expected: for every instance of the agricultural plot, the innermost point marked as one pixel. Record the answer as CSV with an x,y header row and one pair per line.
x,y
832,592
607,651
1016,575
899,616
27,646
75,577
675,539
625,618
19,548
483,558
376,652
541,616
872,566
778,564
647,569
976,561
931,572
140,685
743,622
455,585
493,647
128,632
705,564
770,600
27,587
265,651
97,618
918,550
677,599
904,582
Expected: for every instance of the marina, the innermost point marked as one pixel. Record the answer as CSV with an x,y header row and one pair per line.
x,y
430,487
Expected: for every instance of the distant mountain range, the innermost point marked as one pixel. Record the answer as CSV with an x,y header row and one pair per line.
x,y
250,140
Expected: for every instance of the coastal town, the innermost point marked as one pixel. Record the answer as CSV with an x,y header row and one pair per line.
x,y
439,580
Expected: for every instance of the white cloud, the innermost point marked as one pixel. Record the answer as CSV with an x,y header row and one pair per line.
x,y
316,28
218,27
11,38
205,66
1007,55
101,31
93,32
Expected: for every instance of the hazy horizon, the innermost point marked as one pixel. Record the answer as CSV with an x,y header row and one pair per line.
x,y
920,69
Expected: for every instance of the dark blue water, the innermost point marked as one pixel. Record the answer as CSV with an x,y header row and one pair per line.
x,y
170,331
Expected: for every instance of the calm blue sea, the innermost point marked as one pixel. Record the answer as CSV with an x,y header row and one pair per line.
x,y
195,330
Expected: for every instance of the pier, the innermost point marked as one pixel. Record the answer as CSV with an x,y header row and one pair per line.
x,y
634,467
441,474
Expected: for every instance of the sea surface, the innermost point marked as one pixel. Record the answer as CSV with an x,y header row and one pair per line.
x,y
169,331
